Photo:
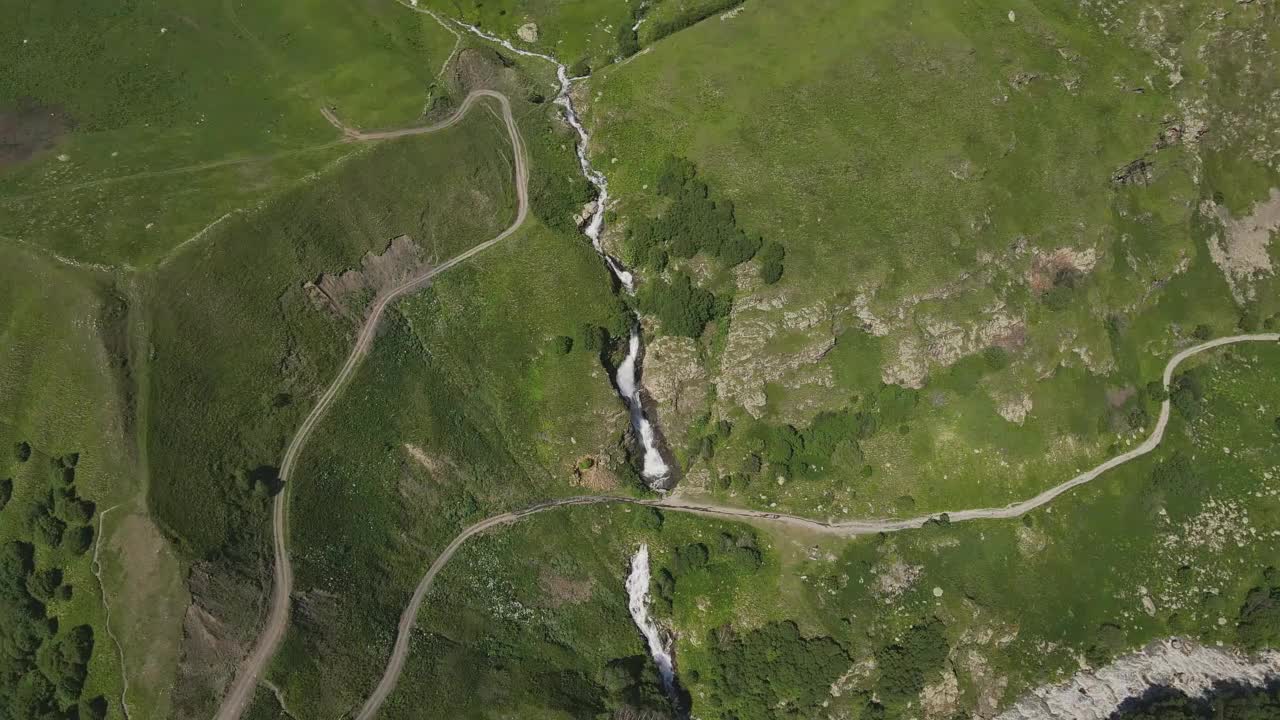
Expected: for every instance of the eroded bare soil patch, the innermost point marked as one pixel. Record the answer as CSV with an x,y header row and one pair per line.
x,y
28,130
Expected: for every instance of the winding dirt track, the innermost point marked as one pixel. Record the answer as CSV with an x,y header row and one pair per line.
x,y
241,690
847,528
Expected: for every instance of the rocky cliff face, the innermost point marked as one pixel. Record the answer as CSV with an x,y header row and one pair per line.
x,y
1175,662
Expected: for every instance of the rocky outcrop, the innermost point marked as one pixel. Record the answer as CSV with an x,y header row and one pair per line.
x,y
943,342
754,355
676,382
1176,663
1241,251
348,293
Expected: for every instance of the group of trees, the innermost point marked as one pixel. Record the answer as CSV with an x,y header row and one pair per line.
x,y
696,222
772,672
43,671
61,518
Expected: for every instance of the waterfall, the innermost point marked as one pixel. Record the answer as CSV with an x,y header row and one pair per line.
x,y
638,603
654,466
655,469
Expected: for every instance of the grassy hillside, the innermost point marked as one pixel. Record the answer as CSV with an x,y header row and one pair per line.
x,y
72,485
995,224
225,368
946,620
135,126
467,406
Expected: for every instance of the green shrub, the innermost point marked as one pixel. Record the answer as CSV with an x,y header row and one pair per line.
x,y
22,451
996,357
561,345
1156,391
1202,332
691,557
1175,475
1187,394
79,540
1259,618
44,584
771,263
682,308
94,709
693,222
905,665
592,338
772,672
650,518
6,492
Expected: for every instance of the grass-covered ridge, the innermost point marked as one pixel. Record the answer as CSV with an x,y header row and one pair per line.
x,y
149,121
231,291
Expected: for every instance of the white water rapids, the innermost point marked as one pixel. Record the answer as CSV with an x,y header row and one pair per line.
x,y
638,603
655,469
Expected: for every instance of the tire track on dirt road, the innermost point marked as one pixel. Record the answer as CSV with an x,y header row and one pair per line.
x,y
844,528
246,679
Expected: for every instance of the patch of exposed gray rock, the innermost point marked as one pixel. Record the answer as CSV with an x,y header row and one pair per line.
x,y
676,383
1176,663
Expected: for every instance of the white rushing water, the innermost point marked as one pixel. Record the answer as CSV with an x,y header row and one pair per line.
x,y
638,603
655,469
654,466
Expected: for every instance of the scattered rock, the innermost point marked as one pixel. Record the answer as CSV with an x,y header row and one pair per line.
x,y
528,32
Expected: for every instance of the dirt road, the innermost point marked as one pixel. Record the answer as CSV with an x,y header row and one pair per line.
x,y
242,687
845,528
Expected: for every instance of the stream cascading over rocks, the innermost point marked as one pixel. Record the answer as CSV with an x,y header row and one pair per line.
x,y
638,604
627,378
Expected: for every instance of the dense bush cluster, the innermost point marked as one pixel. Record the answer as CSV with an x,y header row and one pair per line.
x,y
905,665
771,673
807,453
1259,623
736,553
1225,701
682,307
691,16
43,671
694,222
628,38
631,685
1186,392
